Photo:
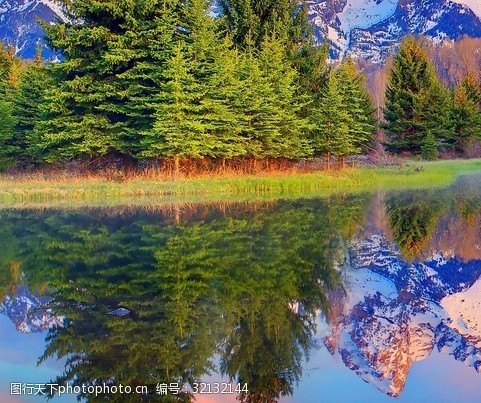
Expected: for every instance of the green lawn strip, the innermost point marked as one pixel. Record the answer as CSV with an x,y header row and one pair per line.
x,y
413,175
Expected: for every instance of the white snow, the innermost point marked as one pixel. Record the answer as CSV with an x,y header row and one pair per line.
x,y
365,13
363,283
55,7
474,5
464,309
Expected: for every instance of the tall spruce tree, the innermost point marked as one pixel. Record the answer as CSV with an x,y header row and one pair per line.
x,y
466,114
250,21
415,100
101,98
194,118
10,70
332,134
212,59
358,103
180,130
265,102
7,124
27,103
285,100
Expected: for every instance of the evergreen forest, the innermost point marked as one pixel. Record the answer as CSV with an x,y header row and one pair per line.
x,y
167,82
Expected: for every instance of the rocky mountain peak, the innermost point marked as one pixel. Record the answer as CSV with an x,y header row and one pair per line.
x,y
396,312
369,29
28,312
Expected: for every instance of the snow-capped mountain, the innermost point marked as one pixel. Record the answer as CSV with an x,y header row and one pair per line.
x,y
28,312
362,28
19,26
371,29
395,312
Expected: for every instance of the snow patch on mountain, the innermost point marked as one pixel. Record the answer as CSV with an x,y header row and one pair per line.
x,y
29,312
394,312
464,310
372,29
363,14
474,5
55,7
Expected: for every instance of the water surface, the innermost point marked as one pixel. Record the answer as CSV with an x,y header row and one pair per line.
x,y
367,297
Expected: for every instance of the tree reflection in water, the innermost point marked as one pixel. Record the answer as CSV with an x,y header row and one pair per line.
x,y
215,285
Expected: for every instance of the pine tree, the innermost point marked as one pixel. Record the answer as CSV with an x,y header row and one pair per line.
x,y
429,148
434,114
102,97
357,101
11,68
265,102
178,131
219,116
7,124
198,85
466,115
413,96
251,21
285,100
27,106
332,134
213,61
251,103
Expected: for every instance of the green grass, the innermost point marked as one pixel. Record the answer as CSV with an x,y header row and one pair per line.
x,y
97,191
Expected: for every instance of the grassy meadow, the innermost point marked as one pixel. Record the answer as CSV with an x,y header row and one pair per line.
x,y
146,188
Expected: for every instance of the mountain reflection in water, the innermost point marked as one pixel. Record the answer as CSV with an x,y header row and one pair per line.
x,y
248,291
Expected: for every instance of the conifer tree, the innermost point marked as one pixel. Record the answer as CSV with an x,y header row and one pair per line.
x,y
265,102
11,68
26,109
193,115
466,114
357,101
429,148
101,100
212,60
413,97
220,118
434,113
258,118
250,21
178,131
7,124
332,134
285,100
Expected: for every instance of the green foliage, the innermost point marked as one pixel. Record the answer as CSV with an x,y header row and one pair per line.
x,y
163,79
413,218
266,101
333,132
251,21
28,102
94,108
7,125
429,149
178,127
466,113
358,103
195,289
415,100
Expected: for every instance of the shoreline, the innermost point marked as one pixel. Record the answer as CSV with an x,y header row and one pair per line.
x,y
36,188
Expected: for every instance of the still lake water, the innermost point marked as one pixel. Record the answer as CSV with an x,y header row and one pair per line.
x,y
353,298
